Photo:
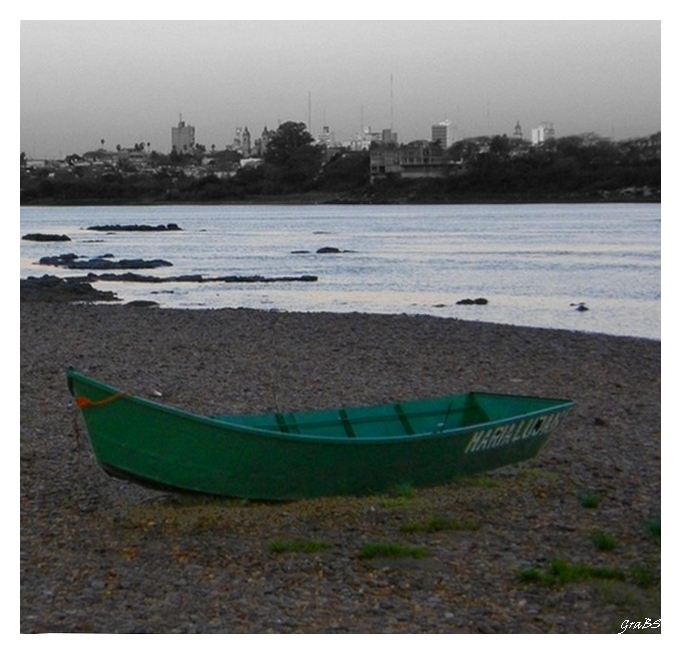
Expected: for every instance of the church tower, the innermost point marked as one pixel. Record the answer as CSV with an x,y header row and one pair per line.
x,y
518,131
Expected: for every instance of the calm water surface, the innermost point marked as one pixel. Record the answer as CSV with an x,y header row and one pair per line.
x,y
530,261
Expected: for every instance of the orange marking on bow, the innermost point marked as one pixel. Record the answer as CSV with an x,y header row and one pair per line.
x,y
85,402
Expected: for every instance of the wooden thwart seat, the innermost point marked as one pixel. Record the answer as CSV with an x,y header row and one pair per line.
x,y
408,429
286,423
347,425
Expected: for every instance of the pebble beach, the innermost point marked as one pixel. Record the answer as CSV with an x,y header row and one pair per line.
x,y
568,542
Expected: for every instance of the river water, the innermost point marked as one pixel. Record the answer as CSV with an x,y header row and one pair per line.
x,y
531,262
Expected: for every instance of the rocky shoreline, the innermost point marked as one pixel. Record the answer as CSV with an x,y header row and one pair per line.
x,y
99,555
50,288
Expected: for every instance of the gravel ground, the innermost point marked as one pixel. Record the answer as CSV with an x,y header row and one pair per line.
x,y
100,555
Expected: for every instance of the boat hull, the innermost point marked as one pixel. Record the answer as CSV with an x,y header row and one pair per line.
x,y
354,451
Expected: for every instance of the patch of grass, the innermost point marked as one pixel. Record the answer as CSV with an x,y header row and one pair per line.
x,y
572,572
404,489
562,572
643,577
391,551
532,575
589,500
604,541
395,502
304,546
478,481
633,588
439,524
397,496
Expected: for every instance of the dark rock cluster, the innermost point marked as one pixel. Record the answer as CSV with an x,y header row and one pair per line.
x,y
104,262
170,227
50,288
478,300
45,237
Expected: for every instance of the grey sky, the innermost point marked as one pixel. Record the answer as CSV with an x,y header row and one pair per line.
x,y
128,81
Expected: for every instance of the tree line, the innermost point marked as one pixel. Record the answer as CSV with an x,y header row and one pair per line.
x,y
495,169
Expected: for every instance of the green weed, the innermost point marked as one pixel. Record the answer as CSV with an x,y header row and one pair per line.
x,y
564,573
304,546
643,577
618,587
396,502
532,575
404,489
572,572
589,500
604,541
478,481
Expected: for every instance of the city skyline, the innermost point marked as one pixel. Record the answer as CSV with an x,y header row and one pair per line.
x,y
129,81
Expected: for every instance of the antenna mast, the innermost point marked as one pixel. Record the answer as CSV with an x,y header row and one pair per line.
x,y
309,112
391,103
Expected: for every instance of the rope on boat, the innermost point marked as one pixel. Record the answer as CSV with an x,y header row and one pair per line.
x,y
76,430
83,402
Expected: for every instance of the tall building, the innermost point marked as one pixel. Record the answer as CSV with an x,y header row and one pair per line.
x,y
326,138
246,142
442,132
260,145
182,137
415,159
388,136
236,143
242,141
542,133
364,139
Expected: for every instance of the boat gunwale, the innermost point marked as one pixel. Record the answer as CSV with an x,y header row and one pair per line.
x,y
222,424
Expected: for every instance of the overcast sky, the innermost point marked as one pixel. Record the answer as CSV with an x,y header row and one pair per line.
x,y
129,81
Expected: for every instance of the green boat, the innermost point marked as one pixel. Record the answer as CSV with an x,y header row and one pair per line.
x,y
283,456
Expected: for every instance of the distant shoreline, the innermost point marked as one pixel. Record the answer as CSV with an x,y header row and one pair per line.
x,y
331,199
